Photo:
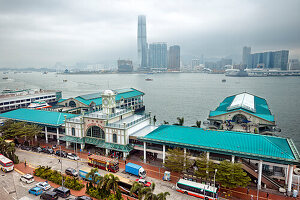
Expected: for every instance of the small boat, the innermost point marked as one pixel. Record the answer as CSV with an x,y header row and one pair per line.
x,y
5,78
223,80
39,105
65,80
148,79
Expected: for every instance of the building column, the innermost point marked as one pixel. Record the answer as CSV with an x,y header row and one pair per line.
x,y
106,152
57,135
207,155
82,146
46,134
259,174
68,144
125,155
164,153
145,158
184,155
290,179
286,172
232,158
35,137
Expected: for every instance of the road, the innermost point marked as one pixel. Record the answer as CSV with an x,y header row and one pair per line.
x,y
35,159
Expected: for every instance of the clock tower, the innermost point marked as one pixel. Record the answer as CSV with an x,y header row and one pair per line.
x,y
108,102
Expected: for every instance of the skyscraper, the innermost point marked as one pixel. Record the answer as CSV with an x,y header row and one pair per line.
x,y
174,58
142,42
158,55
246,54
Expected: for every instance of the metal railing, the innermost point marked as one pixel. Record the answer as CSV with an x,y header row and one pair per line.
x,y
127,125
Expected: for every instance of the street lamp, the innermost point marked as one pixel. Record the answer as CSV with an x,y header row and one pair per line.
x,y
215,181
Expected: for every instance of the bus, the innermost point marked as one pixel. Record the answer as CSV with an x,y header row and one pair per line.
x,y
200,190
6,164
105,163
125,185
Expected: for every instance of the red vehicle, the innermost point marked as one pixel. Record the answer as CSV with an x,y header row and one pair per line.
x,y
102,162
144,182
6,164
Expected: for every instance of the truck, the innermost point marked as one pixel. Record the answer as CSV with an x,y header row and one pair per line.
x,y
84,171
135,169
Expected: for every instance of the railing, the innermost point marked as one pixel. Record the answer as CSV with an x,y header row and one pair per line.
x,y
76,120
104,116
127,125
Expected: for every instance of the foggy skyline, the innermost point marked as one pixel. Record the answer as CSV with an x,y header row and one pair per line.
x,y
39,33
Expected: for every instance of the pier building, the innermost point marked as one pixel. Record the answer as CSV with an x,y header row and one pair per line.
x,y
125,98
14,99
243,112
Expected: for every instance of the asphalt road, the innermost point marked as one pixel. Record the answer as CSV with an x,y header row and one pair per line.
x,y
36,159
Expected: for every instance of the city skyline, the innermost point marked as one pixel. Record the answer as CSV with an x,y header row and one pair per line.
x,y
39,34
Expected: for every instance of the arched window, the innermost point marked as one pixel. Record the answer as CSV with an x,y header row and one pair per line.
x,y
239,118
115,138
73,131
72,104
95,131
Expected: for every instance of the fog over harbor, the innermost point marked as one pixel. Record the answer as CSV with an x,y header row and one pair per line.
x,y
38,33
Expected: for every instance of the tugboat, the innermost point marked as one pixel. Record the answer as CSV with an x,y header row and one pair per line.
x,y
148,79
223,80
39,105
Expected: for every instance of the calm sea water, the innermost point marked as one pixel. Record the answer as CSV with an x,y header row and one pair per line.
x,y
172,95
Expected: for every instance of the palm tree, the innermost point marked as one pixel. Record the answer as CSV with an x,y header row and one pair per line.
x,y
180,121
165,122
162,195
92,176
136,189
112,183
154,120
147,191
150,196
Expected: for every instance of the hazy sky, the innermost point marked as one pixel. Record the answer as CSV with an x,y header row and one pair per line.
x,y
39,33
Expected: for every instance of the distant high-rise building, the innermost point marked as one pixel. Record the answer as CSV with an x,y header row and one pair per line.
x,y
157,57
294,64
125,66
142,42
195,63
269,59
174,58
246,54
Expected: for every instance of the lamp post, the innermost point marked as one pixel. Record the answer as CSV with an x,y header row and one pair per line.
x,y
62,177
215,181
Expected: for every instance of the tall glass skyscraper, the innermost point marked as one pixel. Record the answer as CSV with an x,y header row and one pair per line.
x,y
158,55
174,58
142,42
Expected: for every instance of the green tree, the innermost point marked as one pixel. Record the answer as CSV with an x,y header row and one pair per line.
x,y
180,121
112,182
8,150
232,175
93,176
198,124
205,168
162,195
147,192
165,122
175,160
136,189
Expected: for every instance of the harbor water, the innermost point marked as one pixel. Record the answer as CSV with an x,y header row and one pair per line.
x,y
172,95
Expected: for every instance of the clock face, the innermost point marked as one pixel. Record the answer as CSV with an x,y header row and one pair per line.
x,y
105,102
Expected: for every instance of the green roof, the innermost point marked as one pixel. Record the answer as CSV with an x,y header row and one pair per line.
x,y
116,147
261,108
248,145
97,99
72,139
41,117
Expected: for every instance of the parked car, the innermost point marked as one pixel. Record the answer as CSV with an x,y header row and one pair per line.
x,y
83,198
36,191
49,195
72,156
144,182
27,148
44,185
27,178
62,192
71,171
36,149
61,153
48,150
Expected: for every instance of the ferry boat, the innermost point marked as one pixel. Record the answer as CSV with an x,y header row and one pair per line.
x,y
14,99
39,105
148,79
5,78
